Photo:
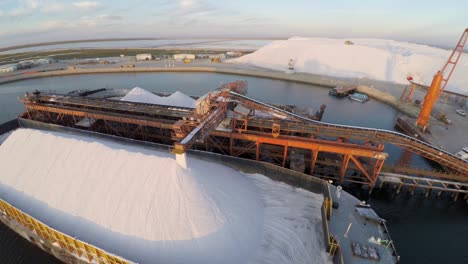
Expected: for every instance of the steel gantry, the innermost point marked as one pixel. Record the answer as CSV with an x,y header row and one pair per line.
x,y
228,122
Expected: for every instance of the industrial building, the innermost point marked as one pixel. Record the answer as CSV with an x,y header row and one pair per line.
x,y
46,60
184,56
233,54
144,57
8,68
25,65
202,56
218,56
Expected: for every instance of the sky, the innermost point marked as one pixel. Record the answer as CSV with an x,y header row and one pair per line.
x,y
429,22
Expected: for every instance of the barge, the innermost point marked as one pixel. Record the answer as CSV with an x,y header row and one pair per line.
x,y
183,125
342,91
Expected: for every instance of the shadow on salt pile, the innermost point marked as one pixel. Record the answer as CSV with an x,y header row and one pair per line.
x,y
206,249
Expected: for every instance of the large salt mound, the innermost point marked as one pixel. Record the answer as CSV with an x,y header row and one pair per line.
x,y
378,59
137,203
133,201
140,95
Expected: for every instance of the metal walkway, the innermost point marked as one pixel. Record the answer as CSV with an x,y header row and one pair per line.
x,y
458,166
282,129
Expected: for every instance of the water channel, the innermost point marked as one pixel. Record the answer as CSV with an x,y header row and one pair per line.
x,y
425,230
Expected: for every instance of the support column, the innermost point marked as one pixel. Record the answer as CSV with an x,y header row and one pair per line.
x,y
257,153
377,168
313,161
344,166
285,155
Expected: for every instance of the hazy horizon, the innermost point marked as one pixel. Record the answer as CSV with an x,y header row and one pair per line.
x,y
425,22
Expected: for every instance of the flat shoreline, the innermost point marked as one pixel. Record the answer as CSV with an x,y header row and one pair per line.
x,y
305,78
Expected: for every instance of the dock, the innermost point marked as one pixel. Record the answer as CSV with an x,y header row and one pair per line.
x,y
429,186
228,122
449,137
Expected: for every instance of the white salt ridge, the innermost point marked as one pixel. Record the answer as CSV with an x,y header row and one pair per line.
x,y
292,224
177,99
378,59
139,204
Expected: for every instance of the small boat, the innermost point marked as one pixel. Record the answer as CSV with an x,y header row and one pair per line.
x,y
341,91
362,98
461,112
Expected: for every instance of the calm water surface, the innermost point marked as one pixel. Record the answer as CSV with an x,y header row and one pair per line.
x,y
425,230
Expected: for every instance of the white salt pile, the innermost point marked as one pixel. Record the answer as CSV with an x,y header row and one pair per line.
x,y
139,204
140,95
378,59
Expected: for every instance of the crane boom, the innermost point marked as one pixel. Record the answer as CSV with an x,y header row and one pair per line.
x,y
440,82
453,60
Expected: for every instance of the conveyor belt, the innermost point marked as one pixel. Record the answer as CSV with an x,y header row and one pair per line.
x,y
365,134
111,105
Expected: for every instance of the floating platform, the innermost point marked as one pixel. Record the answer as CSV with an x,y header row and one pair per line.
x,y
70,250
342,91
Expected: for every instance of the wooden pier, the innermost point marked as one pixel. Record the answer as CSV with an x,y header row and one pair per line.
x,y
428,185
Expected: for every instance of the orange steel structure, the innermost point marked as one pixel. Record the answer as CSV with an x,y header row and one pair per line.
x,y
438,84
225,121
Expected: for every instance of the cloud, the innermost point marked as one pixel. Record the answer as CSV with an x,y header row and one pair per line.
x,y
186,3
40,28
54,7
109,17
53,25
87,4
32,3
99,20
29,7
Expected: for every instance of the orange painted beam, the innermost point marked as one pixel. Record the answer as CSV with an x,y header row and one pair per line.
x,y
313,161
310,144
362,169
96,115
344,166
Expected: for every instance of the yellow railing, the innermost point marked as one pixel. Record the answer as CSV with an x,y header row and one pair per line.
x,y
328,202
333,245
67,243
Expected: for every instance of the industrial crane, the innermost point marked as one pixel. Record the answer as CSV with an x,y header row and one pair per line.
x,y
439,82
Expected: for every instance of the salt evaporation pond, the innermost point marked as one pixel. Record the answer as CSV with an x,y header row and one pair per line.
x,y
140,204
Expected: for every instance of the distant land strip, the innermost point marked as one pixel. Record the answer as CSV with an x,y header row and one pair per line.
x,y
30,45
70,41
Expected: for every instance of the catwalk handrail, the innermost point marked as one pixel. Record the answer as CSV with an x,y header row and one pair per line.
x,y
382,135
58,239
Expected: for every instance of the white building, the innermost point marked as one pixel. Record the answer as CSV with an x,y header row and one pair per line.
x,y
143,57
183,56
202,56
218,56
233,54
25,64
46,60
8,68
